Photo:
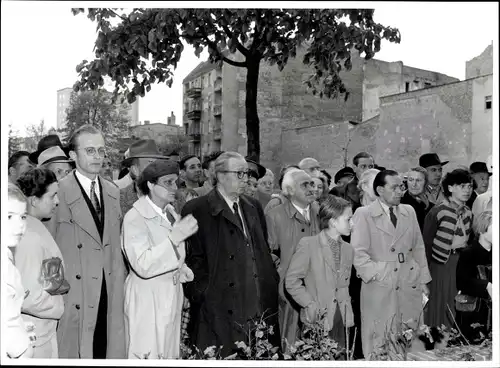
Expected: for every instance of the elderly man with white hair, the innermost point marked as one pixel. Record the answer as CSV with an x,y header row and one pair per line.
x,y
295,218
311,166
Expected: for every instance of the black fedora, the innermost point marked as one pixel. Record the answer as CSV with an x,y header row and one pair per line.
x,y
479,167
342,173
48,141
143,148
430,159
255,167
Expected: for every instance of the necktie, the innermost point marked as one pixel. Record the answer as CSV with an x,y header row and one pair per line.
x,y
94,200
393,217
169,216
305,213
237,214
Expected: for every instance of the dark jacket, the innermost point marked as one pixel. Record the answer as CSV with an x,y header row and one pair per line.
x,y
470,283
471,200
234,278
128,196
419,208
349,192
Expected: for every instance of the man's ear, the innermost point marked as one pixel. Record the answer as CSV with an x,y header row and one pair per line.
x,y
206,173
72,155
12,171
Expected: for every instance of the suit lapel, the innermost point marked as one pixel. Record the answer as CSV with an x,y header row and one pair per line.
x,y
80,211
327,252
218,204
381,219
403,223
111,218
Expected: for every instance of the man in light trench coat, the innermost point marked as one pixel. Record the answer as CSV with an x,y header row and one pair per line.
x,y
287,223
86,227
389,256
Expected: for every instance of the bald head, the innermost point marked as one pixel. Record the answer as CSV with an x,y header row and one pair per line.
x,y
310,166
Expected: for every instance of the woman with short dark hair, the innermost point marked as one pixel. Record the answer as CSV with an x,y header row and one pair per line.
x,y
446,232
44,305
153,238
320,270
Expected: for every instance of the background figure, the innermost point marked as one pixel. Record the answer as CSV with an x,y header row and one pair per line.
x,y
266,183
208,167
278,198
191,174
317,188
366,185
481,179
42,307
328,178
56,160
446,232
153,242
106,169
474,278
18,344
310,166
234,276
19,163
183,196
415,195
320,270
432,163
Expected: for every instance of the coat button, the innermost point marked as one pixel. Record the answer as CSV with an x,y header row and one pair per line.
x,y
395,270
303,230
335,300
393,250
230,312
231,284
411,268
397,287
255,276
336,289
411,249
231,257
79,246
77,306
253,258
78,277
414,287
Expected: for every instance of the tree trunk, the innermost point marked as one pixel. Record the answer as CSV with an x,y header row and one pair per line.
x,y
252,117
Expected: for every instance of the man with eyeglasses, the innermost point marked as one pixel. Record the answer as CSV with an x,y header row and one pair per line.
x,y
234,276
86,227
287,223
389,256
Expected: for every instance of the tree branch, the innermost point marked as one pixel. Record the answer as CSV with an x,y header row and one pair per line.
x,y
240,64
239,46
119,16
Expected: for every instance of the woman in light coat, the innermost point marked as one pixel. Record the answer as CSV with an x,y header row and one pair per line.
x,y
320,270
153,242
40,307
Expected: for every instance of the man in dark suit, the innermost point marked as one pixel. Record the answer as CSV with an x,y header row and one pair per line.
x,y
235,280
481,177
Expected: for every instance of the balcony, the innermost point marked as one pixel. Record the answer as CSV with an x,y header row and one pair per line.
x,y
217,134
194,133
194,92
194,112
218,85
217,110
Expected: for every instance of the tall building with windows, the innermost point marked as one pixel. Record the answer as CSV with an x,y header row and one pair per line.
x,y
63,102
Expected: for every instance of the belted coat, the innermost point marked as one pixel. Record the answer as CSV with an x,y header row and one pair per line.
x,y
393,266
85,257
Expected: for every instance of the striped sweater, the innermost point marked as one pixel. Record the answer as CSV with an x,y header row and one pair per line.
x,y
440,228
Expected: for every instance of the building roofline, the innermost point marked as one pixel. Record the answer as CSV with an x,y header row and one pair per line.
x,y
440,85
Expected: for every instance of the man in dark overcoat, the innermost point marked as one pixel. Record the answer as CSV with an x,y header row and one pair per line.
x,y
235,280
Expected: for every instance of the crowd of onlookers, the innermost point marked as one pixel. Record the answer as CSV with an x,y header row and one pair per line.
x,y
194,251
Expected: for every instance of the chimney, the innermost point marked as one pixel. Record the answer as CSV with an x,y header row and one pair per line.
x,y
146,122
171,119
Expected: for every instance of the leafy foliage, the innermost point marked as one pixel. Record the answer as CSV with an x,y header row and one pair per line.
x,y
96,108
14,142
145,46
35,132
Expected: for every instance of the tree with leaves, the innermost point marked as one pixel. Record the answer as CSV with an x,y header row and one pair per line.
x,y
174,144
34,132
145,45
97,108
14,140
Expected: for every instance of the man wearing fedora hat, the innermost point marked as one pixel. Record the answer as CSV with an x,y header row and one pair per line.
x,y
56,160
481,180
256,172
434,167
141,154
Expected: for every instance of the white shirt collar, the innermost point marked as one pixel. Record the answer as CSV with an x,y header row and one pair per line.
x,y
86,183
158,210
303,211
229,201
386,208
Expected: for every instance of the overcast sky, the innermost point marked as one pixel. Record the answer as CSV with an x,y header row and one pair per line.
x,y
43,42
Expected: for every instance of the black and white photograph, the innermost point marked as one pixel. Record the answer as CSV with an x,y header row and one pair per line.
x,y
284,182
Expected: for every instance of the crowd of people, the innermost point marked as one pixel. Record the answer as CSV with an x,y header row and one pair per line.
x,y
195,252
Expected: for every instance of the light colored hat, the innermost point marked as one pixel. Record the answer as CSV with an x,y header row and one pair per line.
x,y
53,154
